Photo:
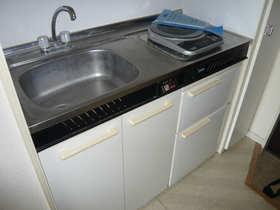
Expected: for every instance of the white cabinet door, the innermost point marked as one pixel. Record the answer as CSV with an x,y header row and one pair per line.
x,y
205,98
92,178
148,147
195,145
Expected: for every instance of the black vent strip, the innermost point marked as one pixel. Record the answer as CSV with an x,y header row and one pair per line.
x,y
227,59
98,115
215,65
75,125
222,61
94,115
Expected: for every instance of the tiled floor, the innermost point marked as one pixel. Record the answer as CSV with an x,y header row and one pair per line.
x,y
216,184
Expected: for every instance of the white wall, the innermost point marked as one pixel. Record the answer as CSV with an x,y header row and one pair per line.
x,y
19,184
240,16
24,21
269,106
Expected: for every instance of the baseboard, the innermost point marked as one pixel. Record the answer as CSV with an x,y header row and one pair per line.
x,y
256,138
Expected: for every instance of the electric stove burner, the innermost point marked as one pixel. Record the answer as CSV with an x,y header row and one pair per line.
x,y
184,40
176,32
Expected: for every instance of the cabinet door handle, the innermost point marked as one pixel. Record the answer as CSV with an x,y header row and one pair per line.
x,y
196,128
67,154
204,88
134,121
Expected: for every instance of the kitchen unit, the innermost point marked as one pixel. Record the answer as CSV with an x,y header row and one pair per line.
x,y
139,119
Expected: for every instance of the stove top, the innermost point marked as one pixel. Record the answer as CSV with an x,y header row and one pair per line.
x,y
186,41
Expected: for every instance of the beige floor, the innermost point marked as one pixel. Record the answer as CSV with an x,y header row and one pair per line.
x,y
216,184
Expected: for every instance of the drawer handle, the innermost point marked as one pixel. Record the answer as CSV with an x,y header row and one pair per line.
x,y
204,88
196,128
134,121
67,154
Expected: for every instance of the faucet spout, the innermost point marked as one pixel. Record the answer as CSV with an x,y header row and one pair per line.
x,y
72,14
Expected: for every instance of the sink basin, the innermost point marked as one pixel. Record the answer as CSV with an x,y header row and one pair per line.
x,y
77,78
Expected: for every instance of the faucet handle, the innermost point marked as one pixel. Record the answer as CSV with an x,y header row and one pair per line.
x,y
65,37
43,42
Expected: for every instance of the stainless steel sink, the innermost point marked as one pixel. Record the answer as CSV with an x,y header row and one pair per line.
x,y
74,79
55,87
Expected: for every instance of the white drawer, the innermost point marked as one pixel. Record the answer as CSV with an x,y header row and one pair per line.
x,y
205,98
195,145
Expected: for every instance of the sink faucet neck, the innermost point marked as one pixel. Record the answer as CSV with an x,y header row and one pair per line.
x,y
72,14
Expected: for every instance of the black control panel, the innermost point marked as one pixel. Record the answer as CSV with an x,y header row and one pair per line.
x,y
171,84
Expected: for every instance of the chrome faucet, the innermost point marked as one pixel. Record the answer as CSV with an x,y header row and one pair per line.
x,y
72,14
43,41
